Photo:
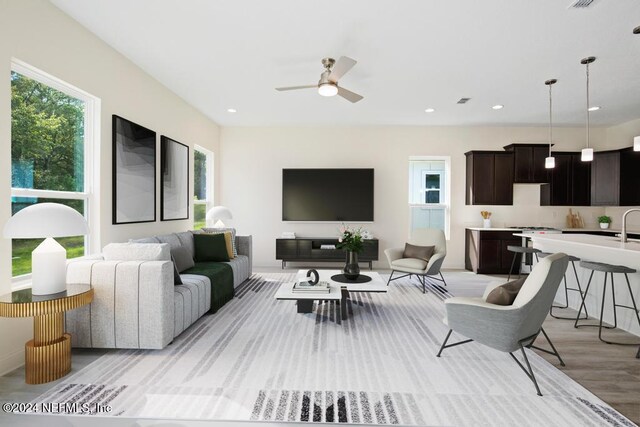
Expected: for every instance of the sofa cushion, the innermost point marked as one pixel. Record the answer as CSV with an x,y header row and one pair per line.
x,y
186,241
172,239
145,240
414,263
228,239
222,230
137,252
221,276
418,252
505,294
210,247
182,258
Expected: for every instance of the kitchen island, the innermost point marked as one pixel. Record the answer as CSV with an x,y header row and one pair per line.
x,y
607,249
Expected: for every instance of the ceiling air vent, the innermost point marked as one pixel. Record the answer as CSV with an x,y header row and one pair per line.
x,y
580,4
463,100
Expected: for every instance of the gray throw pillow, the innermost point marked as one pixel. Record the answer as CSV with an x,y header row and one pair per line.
x,y
418,252
177,280
505,294
182,258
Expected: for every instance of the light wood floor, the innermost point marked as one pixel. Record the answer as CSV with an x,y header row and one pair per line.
x,y
611,372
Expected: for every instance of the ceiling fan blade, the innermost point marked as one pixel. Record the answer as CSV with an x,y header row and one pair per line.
x,y
341,67
295,87
348,95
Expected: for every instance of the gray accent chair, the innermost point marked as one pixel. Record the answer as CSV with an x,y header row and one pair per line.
x,y
511,327
418,267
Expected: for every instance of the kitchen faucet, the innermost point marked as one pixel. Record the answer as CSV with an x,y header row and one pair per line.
x,y
623,237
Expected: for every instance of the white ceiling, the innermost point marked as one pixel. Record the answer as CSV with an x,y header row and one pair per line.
x,y
412,54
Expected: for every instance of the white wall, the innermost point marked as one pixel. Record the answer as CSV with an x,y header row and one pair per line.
x,y
39,34
253,159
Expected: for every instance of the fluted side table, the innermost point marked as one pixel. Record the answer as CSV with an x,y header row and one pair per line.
x,y
48,354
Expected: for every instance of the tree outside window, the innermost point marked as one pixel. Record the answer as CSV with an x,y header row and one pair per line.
x,y
47,157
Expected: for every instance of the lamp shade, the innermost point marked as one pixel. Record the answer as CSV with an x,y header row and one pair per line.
x,y
46,220
219,212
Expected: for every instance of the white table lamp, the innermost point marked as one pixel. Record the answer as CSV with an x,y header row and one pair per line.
x,y
217,214
48,260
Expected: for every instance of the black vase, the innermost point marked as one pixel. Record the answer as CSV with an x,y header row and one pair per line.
x,y
351,268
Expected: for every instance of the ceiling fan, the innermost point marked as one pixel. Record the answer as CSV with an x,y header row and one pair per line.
x,y
328,83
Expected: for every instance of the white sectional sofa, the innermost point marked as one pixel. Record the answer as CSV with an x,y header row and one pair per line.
x,y
136,304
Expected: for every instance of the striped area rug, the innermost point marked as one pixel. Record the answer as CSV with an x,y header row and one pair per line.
x,y
258,359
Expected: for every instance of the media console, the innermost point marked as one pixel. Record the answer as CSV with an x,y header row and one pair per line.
x,y
308,249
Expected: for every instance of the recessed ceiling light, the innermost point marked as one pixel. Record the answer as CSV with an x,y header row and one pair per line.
x,y
594,108
498,107
429,110
232,110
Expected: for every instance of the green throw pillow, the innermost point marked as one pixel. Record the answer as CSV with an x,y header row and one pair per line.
x,y
210,247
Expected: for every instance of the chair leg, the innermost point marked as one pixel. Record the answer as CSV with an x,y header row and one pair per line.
x,y
390,276
513,261
442,277
584,296
444,344
421,279
633,301
554,352
575,273
638,353
528,369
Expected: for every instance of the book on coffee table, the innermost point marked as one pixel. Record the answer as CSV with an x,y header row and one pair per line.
x,y
305,286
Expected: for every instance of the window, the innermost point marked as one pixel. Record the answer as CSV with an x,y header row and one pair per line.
x,y
429,192
202,186
52,130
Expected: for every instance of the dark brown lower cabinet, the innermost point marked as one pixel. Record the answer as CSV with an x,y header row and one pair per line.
x,y
486,251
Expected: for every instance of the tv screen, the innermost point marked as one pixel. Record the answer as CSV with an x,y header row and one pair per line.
x,y
327,195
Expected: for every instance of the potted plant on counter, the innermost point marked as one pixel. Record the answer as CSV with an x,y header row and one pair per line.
x,y
604,221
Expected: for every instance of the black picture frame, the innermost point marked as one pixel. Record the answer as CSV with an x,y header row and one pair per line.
x,y
133,171
174,180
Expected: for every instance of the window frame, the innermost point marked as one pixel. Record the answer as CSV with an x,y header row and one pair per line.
x,y
445,191
91,161
208,181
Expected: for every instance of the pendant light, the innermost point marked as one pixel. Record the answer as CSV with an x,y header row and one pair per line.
x,y
550,162
636,143
587,153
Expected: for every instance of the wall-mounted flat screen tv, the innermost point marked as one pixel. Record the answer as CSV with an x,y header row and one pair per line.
x,y
332,195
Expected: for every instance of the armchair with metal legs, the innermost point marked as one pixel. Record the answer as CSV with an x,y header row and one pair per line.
x,y
512,327
417,267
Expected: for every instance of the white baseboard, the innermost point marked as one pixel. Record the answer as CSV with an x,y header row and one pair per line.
x,y
12,361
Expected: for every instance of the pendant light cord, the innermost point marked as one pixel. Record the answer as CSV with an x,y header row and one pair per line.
x,y
588,105
550,121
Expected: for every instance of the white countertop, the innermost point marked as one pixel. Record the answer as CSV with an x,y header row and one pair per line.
x,y
515,230
589,241
573,230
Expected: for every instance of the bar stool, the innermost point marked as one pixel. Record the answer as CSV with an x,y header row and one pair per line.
x,y
608,269
520,250
573,260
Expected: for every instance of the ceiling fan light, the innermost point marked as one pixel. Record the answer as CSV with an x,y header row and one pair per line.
x,y
586,155
550,162
636,143
328,89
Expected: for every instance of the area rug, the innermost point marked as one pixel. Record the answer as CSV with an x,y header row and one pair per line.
x,y
258,359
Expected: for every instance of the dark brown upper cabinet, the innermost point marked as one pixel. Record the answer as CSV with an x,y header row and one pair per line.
x,y
528,160
615,178
489,178
569,182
